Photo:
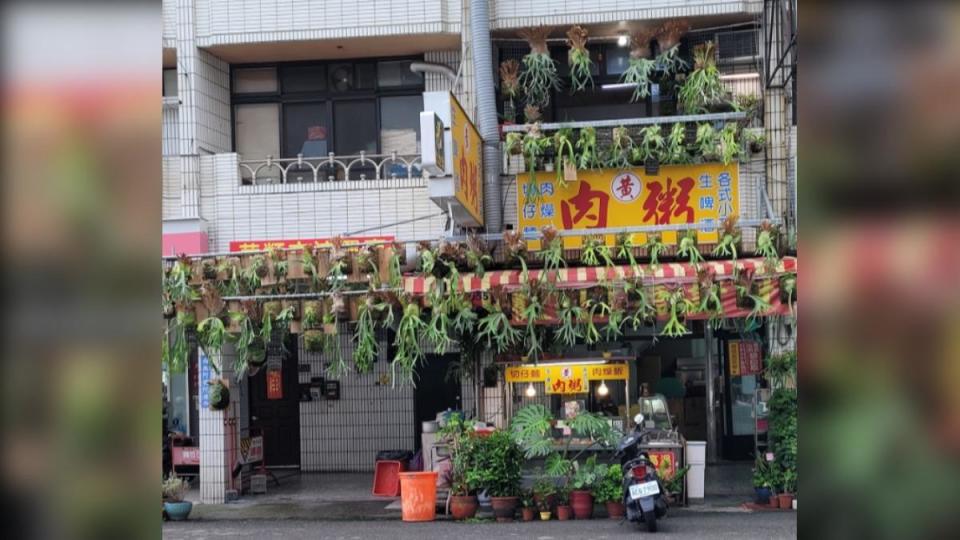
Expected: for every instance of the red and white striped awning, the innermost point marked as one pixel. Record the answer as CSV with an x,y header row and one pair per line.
x,y
661,274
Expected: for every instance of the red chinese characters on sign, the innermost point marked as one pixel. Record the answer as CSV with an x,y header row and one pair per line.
x,y
470,180
585,210
664,461
274,384
750,363
567,386
662,203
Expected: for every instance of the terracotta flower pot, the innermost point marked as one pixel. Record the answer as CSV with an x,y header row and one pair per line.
x,y
615,510
786,500
463,506
564,512
545,515
582,503
551,501
528,513
504,508
774,501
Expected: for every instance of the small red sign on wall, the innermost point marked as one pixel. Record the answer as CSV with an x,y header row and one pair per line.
x,y
274,384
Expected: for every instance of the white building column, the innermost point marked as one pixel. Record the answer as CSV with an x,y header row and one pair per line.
x,y
219,434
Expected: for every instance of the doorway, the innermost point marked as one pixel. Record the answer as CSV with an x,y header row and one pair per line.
x,y
435,391
277,419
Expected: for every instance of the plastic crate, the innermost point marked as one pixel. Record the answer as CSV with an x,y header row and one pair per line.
x,y
386,478
258,483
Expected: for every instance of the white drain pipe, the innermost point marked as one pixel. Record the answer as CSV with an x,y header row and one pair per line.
x,y
486,113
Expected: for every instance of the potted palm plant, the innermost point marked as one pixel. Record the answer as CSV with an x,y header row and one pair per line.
x,y
174,506
497,468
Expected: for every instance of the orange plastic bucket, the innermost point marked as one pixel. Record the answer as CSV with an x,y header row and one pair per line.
x,y
418,495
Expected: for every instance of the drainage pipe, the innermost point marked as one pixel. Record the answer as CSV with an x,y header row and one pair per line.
x,y
440,69
486,113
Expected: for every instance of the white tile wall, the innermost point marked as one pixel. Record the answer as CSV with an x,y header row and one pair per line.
x,y
169,13
521,13
219,440
171,204
220,22
346,434
236,212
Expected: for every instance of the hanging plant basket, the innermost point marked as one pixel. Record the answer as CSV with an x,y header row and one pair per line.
x,y
209,269
219,394
313,341
788,289
272,308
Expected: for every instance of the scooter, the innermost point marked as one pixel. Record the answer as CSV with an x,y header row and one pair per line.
x,y
642,490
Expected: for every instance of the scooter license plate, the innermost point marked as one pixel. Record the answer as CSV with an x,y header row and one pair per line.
x,y
645,489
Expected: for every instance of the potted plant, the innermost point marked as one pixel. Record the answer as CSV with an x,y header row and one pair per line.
x,y
528,509
761,481
543,506
497,469
673,484
174,506
776,481
564,511
585,479
545,494
463,447
609,490
789,484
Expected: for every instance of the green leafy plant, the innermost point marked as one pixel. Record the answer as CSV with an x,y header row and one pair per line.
x,y
640,67
766,242
615,321
675,151
609,485
539,76
586,475
727,143
531,428
495,328
175,350
407,342
781,369
588,157
332,352
578,58
655,247
478,257
625,247
308,262
551,249
651,144
672,483
729,238
706,142
678,306
710,301
534,145
569,314
515,247
174,488
230,268
668,35
703,88
247,342
688,247
366,347
644,311
595,308
211,334
535,297
594,251
278,260
510,85
788,289
566,157
496,465
621,149
438,329
428,257
253,274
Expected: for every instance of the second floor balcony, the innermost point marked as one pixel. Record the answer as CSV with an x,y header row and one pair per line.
x,y
330,172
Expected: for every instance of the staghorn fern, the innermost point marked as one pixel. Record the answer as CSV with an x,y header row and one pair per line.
x,y
578,58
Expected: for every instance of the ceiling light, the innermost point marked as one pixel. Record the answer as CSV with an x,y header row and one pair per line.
x,y
531,391
623,39
603,390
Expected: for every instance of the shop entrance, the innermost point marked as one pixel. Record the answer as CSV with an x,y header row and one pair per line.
x,y
435,391
276,415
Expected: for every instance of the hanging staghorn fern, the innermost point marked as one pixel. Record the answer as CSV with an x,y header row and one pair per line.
x,y
668,36
578,58
539,74
641,66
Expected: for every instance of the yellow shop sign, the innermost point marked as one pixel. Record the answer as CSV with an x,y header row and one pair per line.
x,y
604,198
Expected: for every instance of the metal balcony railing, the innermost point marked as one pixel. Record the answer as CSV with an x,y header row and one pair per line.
x,y
332,168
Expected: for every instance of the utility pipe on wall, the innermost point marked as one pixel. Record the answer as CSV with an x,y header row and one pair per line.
x,y
486,112
440,69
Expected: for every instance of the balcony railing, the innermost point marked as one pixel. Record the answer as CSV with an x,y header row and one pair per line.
x,y
332,168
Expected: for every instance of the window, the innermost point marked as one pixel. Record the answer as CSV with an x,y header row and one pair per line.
x,y
618,60
305,130
355,124
255,80
396,74
257,134
170,83
314,108
304,78
400,124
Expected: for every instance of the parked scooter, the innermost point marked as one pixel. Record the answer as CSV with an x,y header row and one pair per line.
x,y
642,490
